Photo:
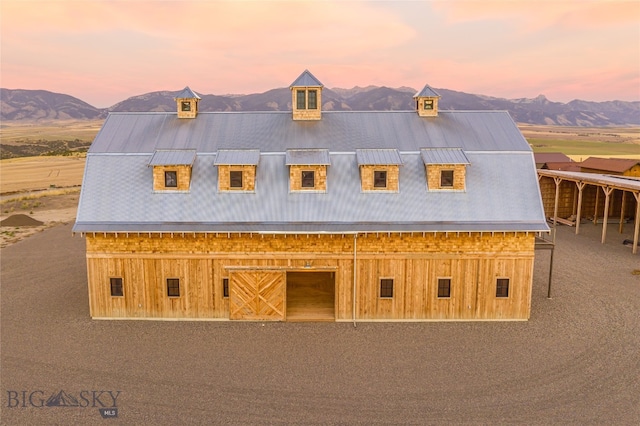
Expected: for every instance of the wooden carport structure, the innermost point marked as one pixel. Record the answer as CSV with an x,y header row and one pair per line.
x,y
574,196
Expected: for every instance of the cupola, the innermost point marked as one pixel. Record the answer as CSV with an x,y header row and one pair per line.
x,y
187,103
427,102
306,97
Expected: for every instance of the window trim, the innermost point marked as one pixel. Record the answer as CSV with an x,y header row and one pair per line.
x,y
448,287
171,286
380,175
225,288
232,180
301,99
305,179
309,99
118,282
503,287
389,282
168,173
442,184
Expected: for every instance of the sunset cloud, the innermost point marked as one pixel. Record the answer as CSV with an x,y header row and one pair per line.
x,y
106,51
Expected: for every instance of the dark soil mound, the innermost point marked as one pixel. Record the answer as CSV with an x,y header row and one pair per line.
x,y
20,220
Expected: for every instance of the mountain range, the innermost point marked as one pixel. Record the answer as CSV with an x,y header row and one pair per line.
x,y
35,105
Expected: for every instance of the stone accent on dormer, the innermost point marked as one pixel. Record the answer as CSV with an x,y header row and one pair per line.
x,y
172,170
306,97
427,102
187,103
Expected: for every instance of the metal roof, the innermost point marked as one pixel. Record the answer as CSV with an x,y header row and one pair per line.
x,y
443,156
337,131
306,79
186,93
308,157
237,157
501,191
173,157
501,194
626,183
378,157
427,91
618,165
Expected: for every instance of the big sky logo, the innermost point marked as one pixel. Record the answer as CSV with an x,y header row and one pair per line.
x,y
106,401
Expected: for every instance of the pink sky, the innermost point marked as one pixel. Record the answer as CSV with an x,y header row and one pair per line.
x,y
106,51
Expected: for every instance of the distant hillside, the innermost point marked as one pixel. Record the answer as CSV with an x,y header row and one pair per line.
x,y
34,105
44,105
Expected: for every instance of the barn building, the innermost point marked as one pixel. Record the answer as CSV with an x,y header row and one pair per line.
x,y
309,214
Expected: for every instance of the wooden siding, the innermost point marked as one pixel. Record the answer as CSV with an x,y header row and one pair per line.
x,y
182,172
367,181
433,176
257,295
248,177
193,110
320,178
568,200
473,261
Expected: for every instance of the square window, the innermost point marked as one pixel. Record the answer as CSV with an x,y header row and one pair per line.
x,y
379,179
313,99
301,99
386,287
444,287
308,179
502,287
171,179
116,287
235,179
446,178
225,287
173,287
428,104
186,106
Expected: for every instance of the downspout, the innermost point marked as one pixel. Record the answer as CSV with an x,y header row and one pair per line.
x,y
355,241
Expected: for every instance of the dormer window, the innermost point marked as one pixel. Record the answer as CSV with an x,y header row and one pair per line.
x,y
187,103
306,97
307,169
446,178
379,169
308,179
237,169
172,169
446,168
171,179
235,179
427,102
379,178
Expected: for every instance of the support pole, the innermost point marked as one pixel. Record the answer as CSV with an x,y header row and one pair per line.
x,y
622,208
607,193
355,271
558,181
595,212
637,221
550,272
580,188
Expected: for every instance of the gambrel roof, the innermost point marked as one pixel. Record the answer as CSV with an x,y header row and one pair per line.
x,y
501,192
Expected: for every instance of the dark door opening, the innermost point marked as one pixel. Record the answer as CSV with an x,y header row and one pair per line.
x,y
310,296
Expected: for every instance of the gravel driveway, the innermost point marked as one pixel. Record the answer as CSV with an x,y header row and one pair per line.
x,y
576,361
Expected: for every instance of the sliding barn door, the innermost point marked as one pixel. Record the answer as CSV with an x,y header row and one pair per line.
x,y
257,295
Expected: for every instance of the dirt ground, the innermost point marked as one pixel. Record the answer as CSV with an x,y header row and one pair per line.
x,y
576,361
